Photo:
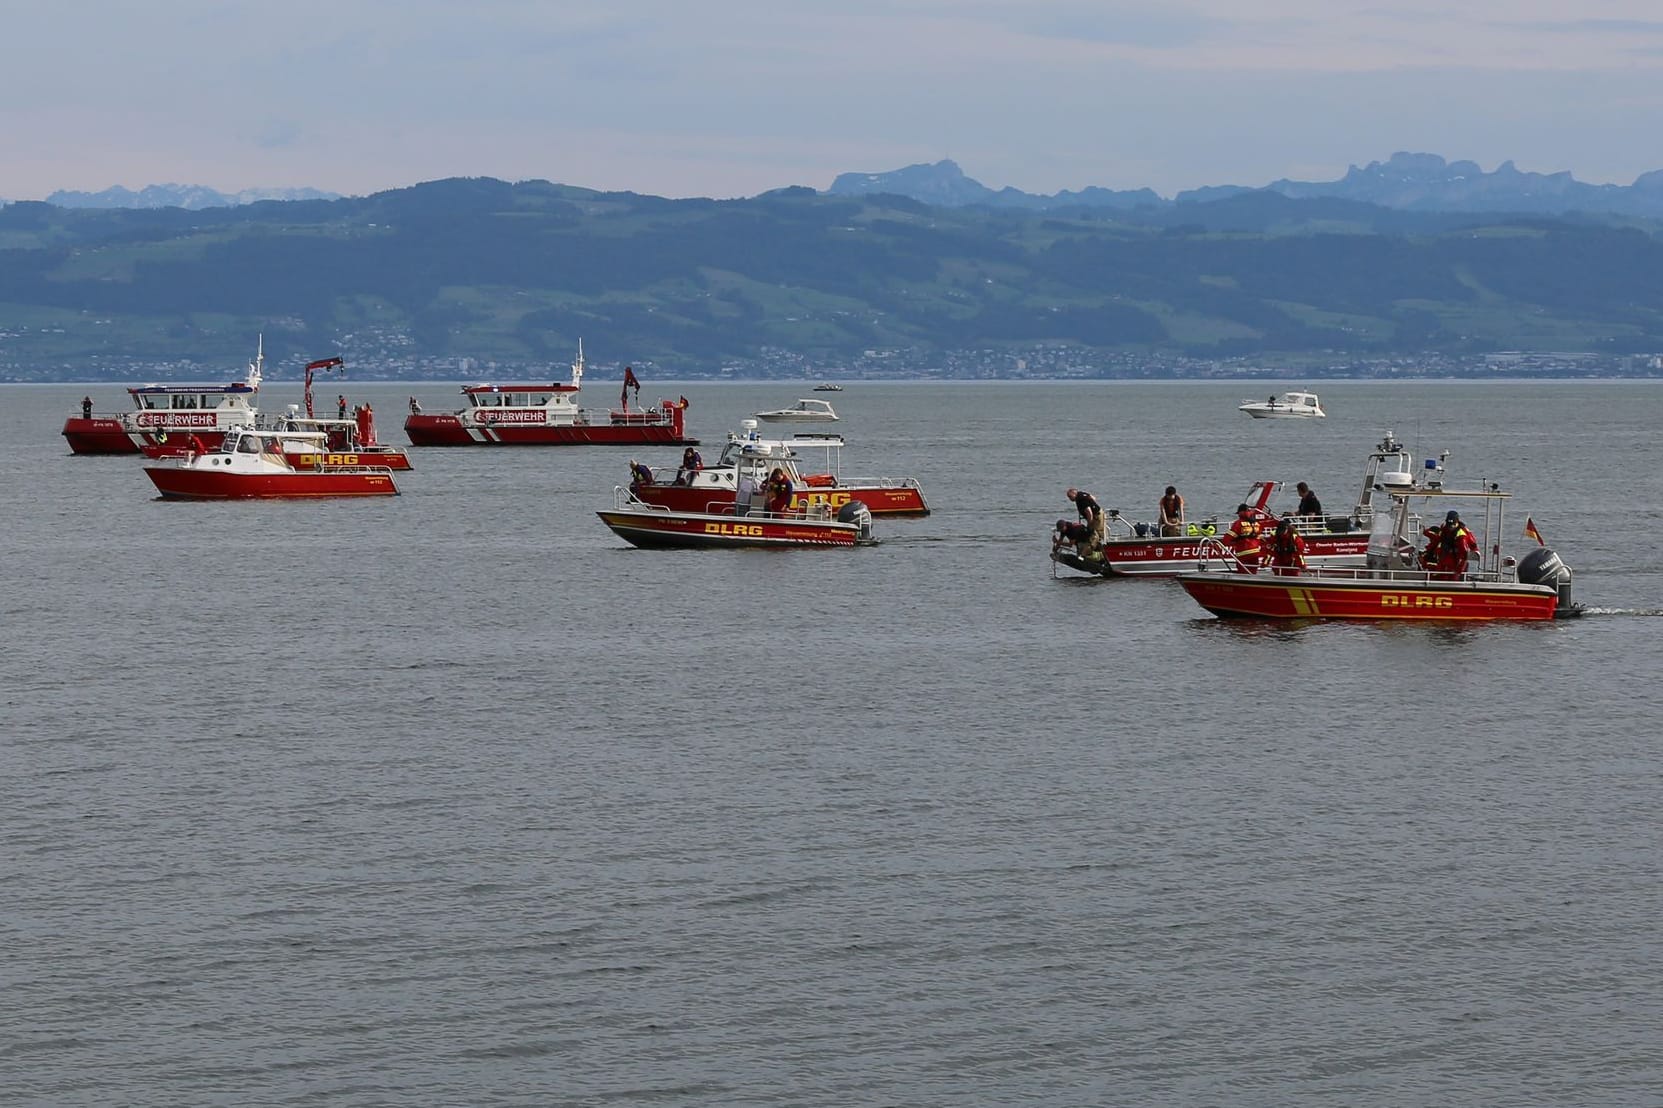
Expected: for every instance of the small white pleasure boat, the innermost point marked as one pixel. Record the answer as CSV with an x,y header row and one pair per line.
x,y
803,411
1292,405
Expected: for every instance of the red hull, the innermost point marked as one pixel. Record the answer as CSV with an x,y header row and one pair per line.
x,y
1259,596
447,430
97,436
661,529
176,483
879,500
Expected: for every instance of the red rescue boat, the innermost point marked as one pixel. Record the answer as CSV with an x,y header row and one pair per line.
x,y
713,488
164,415
1395,583
548,415
1139,550
250,464
650,526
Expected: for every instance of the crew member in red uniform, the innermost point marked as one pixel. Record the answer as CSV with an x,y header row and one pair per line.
x,y
1449,547
1243,539
779,492
1287,550
365,416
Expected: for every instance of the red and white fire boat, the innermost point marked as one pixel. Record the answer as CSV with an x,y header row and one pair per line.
x,y
165,415
651,526
250,464
1394,585
714,488
548,415
1139,550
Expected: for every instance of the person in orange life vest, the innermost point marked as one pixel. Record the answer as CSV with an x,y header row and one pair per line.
x,y
1172,513
1091,514
340,406
639,474
366,424
779,492
691,463
1287,550
1243,539
1449,547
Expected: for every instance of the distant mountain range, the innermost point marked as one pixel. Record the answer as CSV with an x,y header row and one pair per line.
x,y
1407,182
1403,182
190,197
795,281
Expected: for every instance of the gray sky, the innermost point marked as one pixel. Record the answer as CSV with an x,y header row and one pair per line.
x,y
734,97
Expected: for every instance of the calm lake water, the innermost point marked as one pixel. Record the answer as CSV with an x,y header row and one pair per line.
x,y
453,798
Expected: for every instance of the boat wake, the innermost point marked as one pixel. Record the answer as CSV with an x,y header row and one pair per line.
x,y
1593,611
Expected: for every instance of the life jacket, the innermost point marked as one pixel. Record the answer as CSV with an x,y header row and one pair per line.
x,y
1172,507
1287,547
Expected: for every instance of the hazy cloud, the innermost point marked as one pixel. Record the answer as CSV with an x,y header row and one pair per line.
x,y
732,97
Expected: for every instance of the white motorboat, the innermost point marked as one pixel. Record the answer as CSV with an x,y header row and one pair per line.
x,y
803,411
1292,405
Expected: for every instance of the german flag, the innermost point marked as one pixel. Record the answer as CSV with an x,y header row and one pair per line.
x,y
1530,532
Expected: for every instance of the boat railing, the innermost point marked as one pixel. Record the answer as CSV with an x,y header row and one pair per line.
x,y
881,482
1372,574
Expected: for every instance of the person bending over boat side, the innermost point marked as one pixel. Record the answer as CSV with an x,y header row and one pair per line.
x,y
1243,539
1077,534
1309,505
1172,513
1091,514
1287,550
638,475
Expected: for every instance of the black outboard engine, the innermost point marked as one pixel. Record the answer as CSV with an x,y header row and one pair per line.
x,y
1543,567
856,512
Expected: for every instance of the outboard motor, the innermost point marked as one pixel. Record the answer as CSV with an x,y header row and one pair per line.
x,y
1543,567
856,512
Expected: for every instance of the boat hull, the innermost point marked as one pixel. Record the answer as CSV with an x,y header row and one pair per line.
x,y
880,500
97,435
1168,557
187,483
1262,596
448,430
699,530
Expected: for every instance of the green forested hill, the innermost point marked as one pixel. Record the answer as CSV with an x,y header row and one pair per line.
x,y
484,269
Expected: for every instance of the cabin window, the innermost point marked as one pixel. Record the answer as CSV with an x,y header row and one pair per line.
x,y
248,444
